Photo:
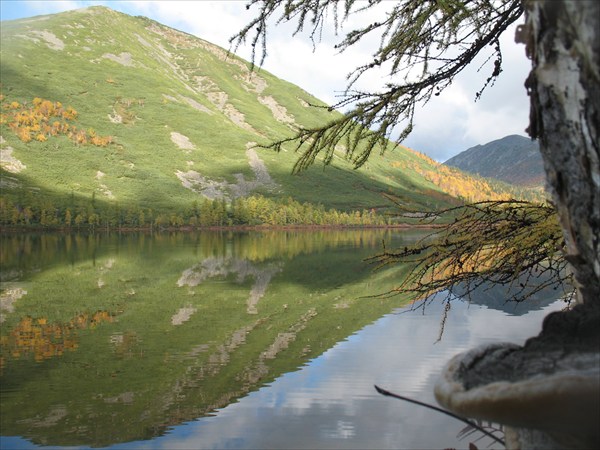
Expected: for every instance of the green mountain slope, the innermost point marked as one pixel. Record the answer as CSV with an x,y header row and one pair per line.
x,y
178,117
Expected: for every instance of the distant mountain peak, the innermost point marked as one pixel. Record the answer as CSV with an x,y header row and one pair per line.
x,y
513,159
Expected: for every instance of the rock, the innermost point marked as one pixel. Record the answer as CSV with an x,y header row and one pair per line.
x,y
547,391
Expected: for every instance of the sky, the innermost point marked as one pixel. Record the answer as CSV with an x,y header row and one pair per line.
x,y
447,125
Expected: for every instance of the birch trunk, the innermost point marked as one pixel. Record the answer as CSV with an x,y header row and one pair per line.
x,y
563,42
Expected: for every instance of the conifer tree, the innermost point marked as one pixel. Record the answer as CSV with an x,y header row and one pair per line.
x,y
424,45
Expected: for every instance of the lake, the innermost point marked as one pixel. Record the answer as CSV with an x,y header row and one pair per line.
x,y
269,339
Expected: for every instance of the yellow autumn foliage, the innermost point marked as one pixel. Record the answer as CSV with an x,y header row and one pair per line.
x,y
43,340
25,120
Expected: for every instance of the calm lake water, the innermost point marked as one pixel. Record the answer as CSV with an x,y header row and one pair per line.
x,y
228,340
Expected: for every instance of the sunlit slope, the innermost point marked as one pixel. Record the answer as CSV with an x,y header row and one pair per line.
x,y
182,115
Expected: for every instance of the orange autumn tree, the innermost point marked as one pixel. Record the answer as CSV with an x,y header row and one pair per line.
x,y
43,119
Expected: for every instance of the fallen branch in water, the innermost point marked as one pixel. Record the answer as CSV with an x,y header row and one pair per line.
x,y
435,408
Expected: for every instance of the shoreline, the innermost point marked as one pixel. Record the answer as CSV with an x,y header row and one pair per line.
x,y
191,229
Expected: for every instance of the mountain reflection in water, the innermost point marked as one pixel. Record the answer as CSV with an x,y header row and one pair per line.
x,y
213,340
502,297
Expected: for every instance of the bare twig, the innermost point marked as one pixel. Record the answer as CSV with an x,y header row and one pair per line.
x,y
443,411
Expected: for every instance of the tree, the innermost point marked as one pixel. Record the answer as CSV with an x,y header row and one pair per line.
x,y
564,87
68,217
497,242
424,45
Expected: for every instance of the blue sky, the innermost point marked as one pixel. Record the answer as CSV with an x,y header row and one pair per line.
x,y
447,125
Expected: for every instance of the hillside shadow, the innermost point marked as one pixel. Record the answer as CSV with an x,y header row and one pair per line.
x,y
297,249
11,77
340,188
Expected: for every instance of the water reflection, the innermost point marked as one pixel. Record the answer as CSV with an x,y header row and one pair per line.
x,y
123,340
151,331
223,267
42,340
502,297
331,402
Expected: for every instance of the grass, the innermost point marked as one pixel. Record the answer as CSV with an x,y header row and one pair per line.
x,y
140,166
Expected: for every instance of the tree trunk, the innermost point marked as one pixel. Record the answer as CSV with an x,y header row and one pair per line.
x,y
549,395
563,42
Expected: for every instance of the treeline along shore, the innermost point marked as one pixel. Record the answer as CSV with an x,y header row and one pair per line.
x,y
241,213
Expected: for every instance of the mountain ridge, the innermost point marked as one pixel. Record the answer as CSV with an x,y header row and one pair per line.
x,y
513,159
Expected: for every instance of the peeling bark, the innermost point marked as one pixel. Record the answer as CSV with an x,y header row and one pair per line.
x,y
563,42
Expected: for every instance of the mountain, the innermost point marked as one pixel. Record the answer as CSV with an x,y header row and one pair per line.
x,y
112,118
513,159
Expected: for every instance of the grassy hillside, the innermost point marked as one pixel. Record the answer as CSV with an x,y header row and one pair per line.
x,y
150,117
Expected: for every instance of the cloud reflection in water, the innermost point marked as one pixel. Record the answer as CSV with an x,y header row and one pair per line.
x,y
331,403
